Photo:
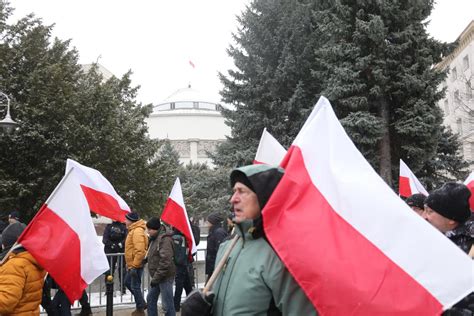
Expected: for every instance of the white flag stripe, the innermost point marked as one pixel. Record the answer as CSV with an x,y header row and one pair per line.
x,y
378,214
177,196
415,185
93,179
71,206
269,150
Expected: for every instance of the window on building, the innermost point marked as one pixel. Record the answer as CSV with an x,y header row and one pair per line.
x,y
196,105
446,107
184,105
468,90
172,105
459,125
465,62
218,107
454,74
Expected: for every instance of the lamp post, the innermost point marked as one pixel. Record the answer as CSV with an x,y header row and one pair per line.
x,y
7,123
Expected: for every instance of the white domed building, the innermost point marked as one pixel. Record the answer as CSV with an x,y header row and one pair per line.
x,y
192,122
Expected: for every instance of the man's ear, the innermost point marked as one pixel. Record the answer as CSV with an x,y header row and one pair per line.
x,y
453,224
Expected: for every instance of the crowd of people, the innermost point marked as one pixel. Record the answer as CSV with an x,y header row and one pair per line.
x,y
254,281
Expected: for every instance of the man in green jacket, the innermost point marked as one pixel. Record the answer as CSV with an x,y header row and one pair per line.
x,y
253,281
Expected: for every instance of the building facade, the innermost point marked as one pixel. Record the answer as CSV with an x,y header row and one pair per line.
x,y
458,103
192,122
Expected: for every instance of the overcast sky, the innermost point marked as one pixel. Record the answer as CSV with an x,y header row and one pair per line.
x,y
157,39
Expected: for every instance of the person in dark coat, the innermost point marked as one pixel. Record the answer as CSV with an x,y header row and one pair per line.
x,y
216,235
114,243
182,279
162,269
447,209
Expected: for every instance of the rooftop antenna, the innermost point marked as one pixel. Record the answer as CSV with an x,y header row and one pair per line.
x,y
194,67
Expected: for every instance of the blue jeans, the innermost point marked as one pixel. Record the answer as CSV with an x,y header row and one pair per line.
x,y
166,290
134,284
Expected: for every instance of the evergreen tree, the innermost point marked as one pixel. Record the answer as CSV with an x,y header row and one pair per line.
x,y
378,72
448,164
65,113
272,86
168,168
205,190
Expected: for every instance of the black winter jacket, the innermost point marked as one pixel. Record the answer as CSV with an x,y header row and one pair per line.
x,y
217,234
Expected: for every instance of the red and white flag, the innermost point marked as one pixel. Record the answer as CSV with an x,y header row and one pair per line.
x,y
469,182
175,215
408,183
62,238
353,245
100,194
269,150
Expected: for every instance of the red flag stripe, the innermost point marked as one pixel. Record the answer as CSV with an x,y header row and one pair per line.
x,y
378,279
103,204
49,238
471,199
404,187
174,215
469,182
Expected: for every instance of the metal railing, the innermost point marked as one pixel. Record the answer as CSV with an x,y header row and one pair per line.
x,y
96,290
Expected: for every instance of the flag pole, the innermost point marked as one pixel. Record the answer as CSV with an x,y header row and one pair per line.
x,y
17,245
220,265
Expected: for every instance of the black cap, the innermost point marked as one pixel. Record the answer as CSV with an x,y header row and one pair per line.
x,y
451,201
132,216
15,215
416,200
153,223
11,234
214,218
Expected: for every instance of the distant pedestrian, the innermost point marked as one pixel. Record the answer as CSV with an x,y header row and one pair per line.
x,y
183,278
216,235
162,269
113,239
136,245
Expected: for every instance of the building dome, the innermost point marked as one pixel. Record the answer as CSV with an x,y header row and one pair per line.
x,y
191,121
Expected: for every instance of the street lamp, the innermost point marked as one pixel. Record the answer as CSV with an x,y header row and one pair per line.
x,y
7,123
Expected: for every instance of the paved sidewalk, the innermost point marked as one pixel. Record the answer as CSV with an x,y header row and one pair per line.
x,y
118,311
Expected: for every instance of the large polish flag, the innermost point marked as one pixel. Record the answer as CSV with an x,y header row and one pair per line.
x,y
62,238
175,215
408,183
100,194
470,184
269,150
364,252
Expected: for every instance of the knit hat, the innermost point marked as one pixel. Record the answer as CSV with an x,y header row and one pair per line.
x,y
15,215
11,234
451,201
132,216
153,223
215,218
261,179
416,200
